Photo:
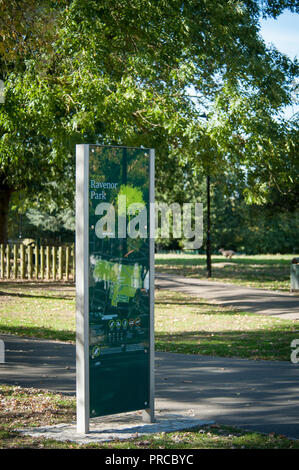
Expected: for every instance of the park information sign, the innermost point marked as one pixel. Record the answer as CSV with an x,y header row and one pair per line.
x,y
114,281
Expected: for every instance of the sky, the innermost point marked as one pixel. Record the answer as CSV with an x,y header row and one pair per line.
x,y
283,33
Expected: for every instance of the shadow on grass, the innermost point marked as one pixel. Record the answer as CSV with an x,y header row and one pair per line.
x,y
184,302
38,284
36,296
22,289
186,261
228,269
263,344
39,332
274,275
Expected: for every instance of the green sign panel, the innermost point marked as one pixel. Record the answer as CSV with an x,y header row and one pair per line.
x,y
120,281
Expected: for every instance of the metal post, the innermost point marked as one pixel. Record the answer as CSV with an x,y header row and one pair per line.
x,y
149,413
209,264
2,352
82,340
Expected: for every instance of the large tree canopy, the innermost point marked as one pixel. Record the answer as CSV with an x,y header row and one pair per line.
x,y
193,79
26,25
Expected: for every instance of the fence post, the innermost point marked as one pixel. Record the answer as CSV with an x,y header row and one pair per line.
x,y
54,254
67,262
48,262
2,260
42,263
22,249
8,261
36,262
15,262
60,253
29,252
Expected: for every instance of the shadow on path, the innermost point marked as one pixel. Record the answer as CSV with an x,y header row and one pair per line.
x,y
254,395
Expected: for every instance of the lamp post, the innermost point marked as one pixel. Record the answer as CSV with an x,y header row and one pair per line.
x,y
208,242
208,234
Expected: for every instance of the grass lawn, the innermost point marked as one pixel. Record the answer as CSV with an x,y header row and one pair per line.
x,y
41,310
183,323
21,408
261,271
189,325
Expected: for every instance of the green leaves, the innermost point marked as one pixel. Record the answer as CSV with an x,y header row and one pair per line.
x,y
122,72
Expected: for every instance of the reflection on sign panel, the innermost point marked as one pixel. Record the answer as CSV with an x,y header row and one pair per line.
x,y
119,297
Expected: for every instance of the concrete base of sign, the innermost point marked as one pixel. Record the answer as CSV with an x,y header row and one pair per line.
x,y
116,427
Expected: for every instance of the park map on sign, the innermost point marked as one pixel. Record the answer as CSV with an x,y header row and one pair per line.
x,y
123,280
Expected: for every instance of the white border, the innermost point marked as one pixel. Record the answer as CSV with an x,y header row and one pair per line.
x,y
82,301
149,413
151,410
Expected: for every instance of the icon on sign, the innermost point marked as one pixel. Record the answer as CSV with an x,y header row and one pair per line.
x,y
118,324
137,322
131,323
111,324
125,323
95,352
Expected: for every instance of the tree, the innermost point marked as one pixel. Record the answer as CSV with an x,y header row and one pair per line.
x,y
121,72
26,25
235,224
27,159
132,66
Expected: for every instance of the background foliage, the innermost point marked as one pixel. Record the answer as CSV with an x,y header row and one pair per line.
x,y
192,79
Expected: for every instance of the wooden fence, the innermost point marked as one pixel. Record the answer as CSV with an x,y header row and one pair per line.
x,y
37,262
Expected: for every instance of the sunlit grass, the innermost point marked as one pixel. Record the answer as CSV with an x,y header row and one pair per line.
x,y
37,310
261,271
183,323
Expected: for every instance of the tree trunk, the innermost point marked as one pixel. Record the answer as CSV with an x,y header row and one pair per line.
x,y
5,194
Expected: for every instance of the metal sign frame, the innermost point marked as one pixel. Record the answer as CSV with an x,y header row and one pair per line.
x,y
82,288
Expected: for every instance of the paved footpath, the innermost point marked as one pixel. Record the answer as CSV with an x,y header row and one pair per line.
x,y
247,299
254,395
